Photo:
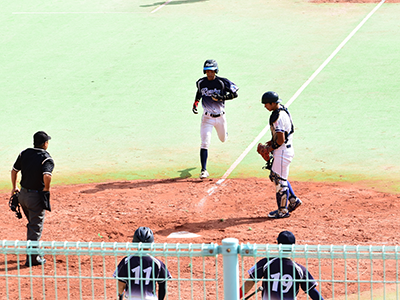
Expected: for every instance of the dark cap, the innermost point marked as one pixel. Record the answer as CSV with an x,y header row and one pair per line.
x,y
286,238
40,137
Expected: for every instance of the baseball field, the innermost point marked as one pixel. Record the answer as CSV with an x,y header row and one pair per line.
x,y
113,82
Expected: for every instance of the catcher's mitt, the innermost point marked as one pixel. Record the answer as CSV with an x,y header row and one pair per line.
x,y
14,205
263,150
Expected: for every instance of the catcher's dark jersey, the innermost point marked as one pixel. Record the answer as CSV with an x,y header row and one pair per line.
x,y
285,278
139,274
220,86
33,164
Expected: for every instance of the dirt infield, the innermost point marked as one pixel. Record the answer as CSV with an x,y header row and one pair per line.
x,y
332,213
335,213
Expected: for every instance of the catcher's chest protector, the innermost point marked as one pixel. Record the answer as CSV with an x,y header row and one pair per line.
x,y
275,116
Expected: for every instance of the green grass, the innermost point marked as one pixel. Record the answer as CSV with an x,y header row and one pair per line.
x,y
115,89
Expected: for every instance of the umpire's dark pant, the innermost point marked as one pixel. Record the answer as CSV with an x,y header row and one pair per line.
x,y
31,205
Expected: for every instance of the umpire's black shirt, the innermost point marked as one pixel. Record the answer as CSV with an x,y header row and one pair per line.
x,y
33,164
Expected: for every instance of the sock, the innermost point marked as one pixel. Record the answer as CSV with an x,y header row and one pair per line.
x,y
203,158
291,192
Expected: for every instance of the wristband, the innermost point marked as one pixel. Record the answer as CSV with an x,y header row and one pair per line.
x,y
275,145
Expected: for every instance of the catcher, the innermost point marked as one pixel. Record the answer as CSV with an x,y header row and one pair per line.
x,y
278,153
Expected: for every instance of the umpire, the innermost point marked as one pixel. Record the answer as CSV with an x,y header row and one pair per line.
x,y
36,166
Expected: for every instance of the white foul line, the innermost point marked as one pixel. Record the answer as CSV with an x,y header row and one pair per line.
x,y
333,54
291,100
161,6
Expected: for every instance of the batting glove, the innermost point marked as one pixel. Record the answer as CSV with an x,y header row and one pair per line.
x,y
194,109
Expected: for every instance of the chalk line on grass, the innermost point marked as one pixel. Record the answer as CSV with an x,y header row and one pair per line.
x,y
291,100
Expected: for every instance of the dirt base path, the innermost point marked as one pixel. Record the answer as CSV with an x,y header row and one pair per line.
x,y
331,213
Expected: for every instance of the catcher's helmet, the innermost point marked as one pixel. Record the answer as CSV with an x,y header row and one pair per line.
x,y
270,97
144,235
210,64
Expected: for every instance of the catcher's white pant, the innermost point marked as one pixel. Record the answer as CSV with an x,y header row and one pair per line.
x,y
282,159
207,124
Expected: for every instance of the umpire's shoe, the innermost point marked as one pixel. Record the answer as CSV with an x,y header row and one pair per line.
x,y
279,214
34,260
294,203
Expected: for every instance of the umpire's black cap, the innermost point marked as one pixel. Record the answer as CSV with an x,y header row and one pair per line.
x,y
40,137
286,238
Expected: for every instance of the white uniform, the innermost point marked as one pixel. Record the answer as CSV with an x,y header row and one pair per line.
x,y
285,153
281,121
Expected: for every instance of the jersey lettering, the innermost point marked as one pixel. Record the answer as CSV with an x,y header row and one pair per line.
x,y
286,282
136,272
209,93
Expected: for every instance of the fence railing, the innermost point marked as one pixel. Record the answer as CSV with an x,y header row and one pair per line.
x,y
84,270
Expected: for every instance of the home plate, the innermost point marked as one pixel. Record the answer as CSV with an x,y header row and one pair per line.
x,y
182,234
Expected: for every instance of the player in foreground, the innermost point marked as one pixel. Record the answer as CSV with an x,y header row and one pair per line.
x,y
287,276
137,274
278,153
213,91
36,166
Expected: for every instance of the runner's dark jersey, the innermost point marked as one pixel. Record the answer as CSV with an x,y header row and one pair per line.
x,y
206,88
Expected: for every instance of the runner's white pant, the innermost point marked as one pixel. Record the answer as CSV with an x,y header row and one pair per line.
x,y
207,124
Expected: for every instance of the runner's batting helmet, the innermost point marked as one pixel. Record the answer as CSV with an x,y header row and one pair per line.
x,y
210,64
144,235
270,97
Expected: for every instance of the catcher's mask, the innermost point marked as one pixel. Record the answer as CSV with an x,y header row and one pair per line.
x,y
210,64
270,97
144,235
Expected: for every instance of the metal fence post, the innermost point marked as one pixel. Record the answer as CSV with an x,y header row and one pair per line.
x,y
229,251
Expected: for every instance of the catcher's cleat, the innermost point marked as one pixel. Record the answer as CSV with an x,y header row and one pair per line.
x,y
34,260
294,205
279,214
204,174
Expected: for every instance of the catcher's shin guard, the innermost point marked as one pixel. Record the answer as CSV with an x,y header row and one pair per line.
x,y
282,195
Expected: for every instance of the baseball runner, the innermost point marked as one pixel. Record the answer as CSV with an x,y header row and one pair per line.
x,y
283,277
278,153
137,275
213,91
